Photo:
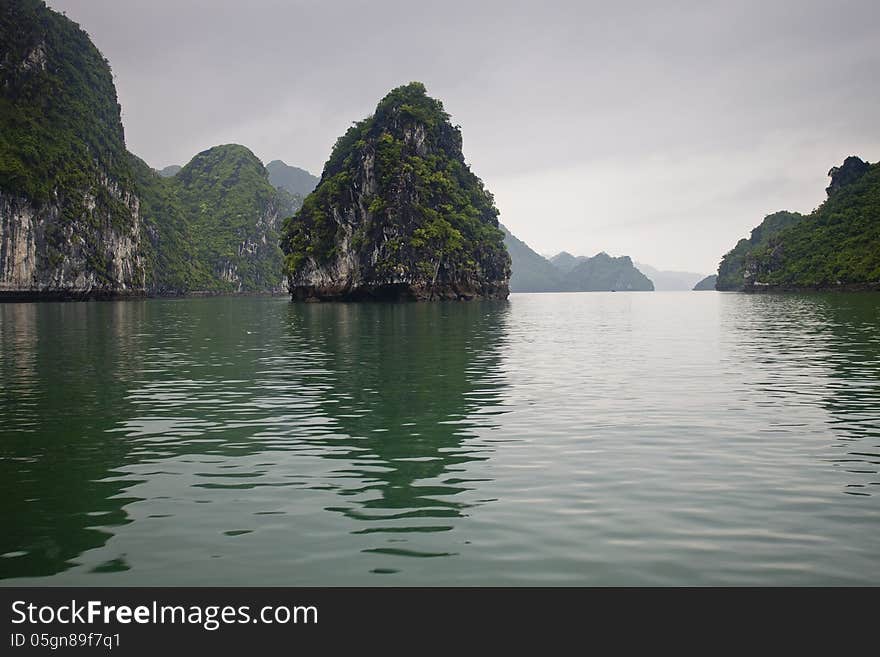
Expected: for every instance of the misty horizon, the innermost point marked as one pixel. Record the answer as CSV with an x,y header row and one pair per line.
x,y
668,151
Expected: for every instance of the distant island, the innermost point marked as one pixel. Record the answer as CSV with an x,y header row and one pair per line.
x,y
836,247
398,214
707,283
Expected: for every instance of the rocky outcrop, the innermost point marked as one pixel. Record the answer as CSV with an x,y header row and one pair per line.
x,y
81,217
398,214
847,173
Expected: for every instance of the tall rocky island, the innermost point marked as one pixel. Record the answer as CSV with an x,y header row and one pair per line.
x,y
69,212
398,214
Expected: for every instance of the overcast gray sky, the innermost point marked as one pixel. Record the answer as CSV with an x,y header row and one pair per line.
x,y
660,130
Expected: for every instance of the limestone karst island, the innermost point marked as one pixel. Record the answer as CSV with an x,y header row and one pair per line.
x,y
398,214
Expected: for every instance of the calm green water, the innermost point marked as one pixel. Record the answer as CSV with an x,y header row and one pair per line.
x,y
665,438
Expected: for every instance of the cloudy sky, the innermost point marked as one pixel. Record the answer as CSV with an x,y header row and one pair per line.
x,y
661,130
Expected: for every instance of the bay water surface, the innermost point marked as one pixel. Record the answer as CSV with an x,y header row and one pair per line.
x,y
553,439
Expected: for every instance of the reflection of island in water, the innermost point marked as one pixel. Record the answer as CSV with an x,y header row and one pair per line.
x,y
58,493
407,387
132,417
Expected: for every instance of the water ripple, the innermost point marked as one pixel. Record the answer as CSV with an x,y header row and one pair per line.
x,y
668,438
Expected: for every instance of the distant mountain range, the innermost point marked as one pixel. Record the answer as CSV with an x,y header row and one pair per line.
x,y
532,272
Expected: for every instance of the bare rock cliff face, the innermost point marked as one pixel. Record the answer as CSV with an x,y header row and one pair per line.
x,y
41,254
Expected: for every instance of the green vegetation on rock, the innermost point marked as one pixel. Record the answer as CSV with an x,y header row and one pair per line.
x,y
398,213
167,236
731,271
213,226
233,209
837,246
61,128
